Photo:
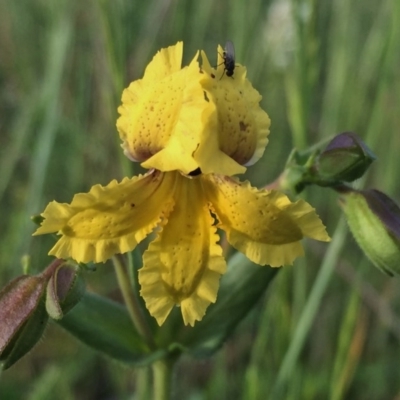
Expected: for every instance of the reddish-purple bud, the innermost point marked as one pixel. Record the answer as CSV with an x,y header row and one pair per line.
x,y
23,317
345,159
26,303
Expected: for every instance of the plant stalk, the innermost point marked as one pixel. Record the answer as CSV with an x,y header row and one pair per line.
x,y
132,305
162,379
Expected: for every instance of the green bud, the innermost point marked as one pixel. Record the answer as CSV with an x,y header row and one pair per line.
x,y
345,159
374,220
64,290
23,317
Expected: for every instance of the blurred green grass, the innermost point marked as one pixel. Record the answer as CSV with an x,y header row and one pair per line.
x,y
322,68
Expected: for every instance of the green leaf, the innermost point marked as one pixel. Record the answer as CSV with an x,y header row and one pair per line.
x,y
241,288
105,326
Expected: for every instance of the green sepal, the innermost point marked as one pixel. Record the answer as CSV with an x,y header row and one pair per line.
x,y
241,288
106,327
297,166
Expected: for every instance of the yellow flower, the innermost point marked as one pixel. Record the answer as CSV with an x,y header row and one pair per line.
x,y
193,129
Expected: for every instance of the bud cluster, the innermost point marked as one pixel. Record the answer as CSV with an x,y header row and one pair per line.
x,y
373,218
345,159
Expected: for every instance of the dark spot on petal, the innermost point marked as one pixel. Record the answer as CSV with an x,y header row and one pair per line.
x,y
243,126
132,205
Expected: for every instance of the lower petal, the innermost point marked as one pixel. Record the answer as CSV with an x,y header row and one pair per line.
x,y
264,225
184,264
108,220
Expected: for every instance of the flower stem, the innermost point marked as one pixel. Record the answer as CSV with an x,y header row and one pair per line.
x,y
132,305
310,309
162,379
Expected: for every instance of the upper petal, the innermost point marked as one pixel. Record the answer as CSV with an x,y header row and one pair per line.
x,y
164,63
184,264
242,126
108,220
162,118
264,225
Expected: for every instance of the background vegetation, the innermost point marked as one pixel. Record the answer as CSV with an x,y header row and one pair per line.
x,y
323,67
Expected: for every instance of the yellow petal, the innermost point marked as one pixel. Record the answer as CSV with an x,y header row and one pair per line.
x,y
209,156
164,63
184,264
108,220
162,115
242,126
264,225
306,219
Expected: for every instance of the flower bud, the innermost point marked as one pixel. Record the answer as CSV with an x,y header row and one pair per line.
x,y
345,159
26,303
374,220
64,290
23,317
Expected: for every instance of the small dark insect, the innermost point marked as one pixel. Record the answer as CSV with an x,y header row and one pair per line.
x,y
229,58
